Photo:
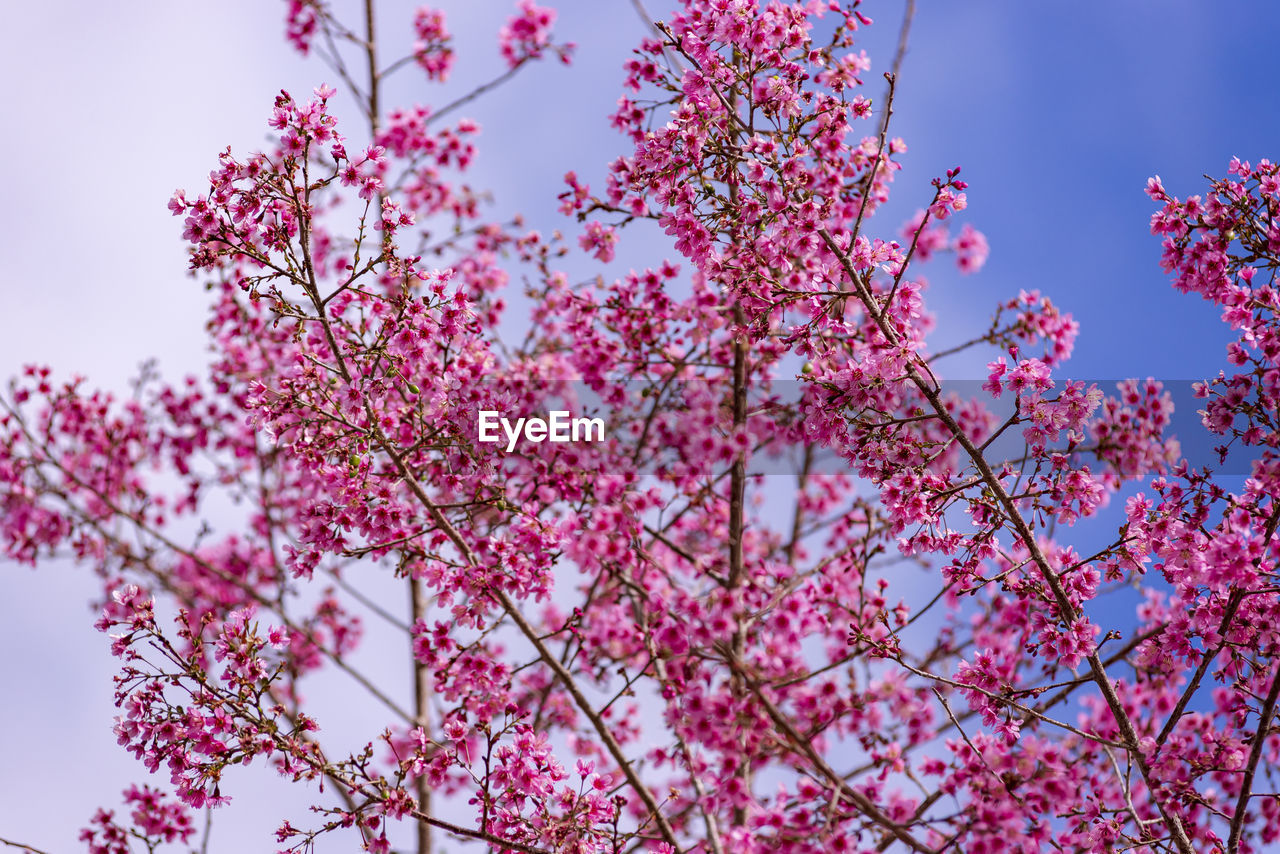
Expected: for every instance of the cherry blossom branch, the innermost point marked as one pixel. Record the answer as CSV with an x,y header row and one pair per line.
x,y
580,700
891,82
1026,710
316,759
312,290
1025,534
1123,777
946,707
1206,660
1265,714
142,527
475,93
864,805
660,670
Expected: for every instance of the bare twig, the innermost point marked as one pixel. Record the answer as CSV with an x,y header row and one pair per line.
x,y
903,37
208,829
20,846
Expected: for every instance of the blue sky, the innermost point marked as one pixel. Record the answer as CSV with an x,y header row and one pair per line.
x,y
1057,112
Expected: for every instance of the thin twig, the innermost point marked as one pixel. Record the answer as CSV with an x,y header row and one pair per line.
x,y
4,841
474,93
674,60
903,36
208,829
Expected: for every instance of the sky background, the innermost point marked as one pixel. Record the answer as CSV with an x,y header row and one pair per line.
x,y
1057,112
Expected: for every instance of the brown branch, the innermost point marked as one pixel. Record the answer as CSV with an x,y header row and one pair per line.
x,y
474,93
1233,604
1251,766
903,36
866,194
19,845
421,707
1024,533
864,805
371,54
611,744
738,474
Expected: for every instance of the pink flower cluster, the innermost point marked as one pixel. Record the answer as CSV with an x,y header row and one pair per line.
x,y
527,35
432,51
155,821
906,654
970,246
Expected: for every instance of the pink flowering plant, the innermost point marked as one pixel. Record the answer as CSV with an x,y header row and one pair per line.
x,y
627,645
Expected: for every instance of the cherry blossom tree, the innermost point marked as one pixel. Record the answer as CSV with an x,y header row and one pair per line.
x,y
803,597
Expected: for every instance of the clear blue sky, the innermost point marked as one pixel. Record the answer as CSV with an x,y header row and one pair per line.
x,y
1057,112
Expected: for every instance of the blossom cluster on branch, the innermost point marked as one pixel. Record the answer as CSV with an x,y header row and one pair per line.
x,y
627,645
